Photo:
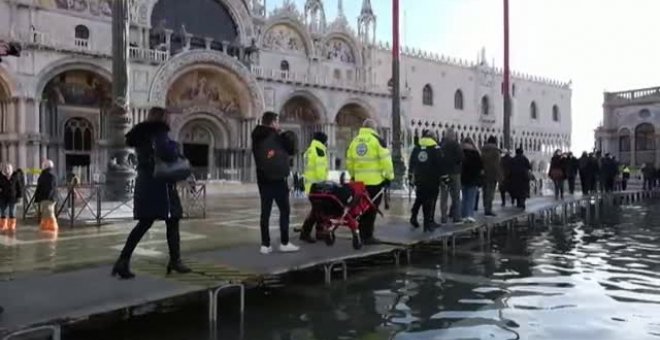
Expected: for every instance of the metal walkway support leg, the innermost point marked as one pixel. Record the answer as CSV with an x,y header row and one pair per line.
x,y
327,270
213,300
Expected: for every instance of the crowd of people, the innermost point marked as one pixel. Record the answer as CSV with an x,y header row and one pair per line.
x,y
456,171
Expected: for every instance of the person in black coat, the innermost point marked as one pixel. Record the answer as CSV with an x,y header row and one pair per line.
x,y
11,190
585,179
471,176
272,152
46,196
427,167
520,169
153,198
506,177
572,168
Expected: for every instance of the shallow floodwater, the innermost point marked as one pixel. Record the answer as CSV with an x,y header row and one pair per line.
x,y
599,281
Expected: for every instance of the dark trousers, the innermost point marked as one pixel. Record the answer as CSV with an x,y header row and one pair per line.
x,y
624,184
309,223
143,225
427,196
584,182
571,185
368,219
417,204
277,191
559,188
489,195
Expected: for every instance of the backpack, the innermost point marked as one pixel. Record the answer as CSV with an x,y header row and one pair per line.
x,y
272,159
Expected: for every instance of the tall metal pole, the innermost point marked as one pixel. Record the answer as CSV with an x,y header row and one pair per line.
x,y
119,172
397,159
506,83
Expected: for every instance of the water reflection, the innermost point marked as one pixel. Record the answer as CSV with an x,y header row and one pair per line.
x,y
573,282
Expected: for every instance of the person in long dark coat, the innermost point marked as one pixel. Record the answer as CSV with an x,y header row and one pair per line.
x,y
154,198
585,178
506,177
520,168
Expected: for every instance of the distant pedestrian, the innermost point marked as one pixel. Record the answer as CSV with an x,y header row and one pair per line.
x,y
453,154
472,170
625,177
272,152
506,177
648,174
557,173
593,172
585,178
492,162
46,196
572,168
520,178
11,190
154,198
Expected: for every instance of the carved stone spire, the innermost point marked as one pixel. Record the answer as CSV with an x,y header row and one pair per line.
x,y
367,23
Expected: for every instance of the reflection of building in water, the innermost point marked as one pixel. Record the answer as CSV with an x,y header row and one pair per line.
x,y
220,64
631,120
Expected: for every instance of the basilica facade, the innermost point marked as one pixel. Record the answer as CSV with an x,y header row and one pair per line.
x,y
217,65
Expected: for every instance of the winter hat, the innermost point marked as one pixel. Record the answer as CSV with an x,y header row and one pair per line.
x,y
321,137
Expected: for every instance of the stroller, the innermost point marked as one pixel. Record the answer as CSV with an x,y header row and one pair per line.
x,y
335,205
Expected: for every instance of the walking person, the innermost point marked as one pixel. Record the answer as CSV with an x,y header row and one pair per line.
x,y
426,166
583,166
453,154
472,170
272,153
369,161
11,190
557,173
154,198
316,170
492,162
505,165
594,170
520,177
648,174
625,177
572,168
46,196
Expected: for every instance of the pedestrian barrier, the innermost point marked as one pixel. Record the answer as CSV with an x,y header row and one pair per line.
x,y
86,203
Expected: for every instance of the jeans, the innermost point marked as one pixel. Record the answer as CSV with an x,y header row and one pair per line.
x,y
277,191
7,210
469,199
143,225
559,188
453,189
489,195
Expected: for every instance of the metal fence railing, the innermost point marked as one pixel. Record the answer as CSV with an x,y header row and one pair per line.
x,y
87,203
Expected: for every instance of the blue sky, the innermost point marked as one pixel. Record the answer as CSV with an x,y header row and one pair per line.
x,y
598,44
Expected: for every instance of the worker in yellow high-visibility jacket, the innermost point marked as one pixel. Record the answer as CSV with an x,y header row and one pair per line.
x,y
369,161
316,170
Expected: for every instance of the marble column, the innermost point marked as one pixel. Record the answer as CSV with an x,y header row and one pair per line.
x,y
633,151
22,136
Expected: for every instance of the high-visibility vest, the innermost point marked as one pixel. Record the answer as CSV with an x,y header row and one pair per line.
x,y
316,166
367,160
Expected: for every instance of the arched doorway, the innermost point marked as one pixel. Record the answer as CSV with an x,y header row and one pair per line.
x,y
78,144
198,146
645,144
72,115
349,121
300,115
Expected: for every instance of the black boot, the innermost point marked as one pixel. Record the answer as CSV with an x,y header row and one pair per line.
x,y
174,243
306,237
122,270
178,267
413,222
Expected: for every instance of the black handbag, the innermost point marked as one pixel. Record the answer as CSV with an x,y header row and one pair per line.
x,y
172,171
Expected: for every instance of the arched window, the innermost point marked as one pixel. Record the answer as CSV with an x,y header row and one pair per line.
x,y
458,100
485,105
533,111
624,140
78,135
555,113
284,65
82,32
427,95
644,137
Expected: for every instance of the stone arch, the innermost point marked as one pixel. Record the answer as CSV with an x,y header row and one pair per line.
x,y
67,64
185,62
268,41
345,38
320,111
236,9
369,110
215,123
8,86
